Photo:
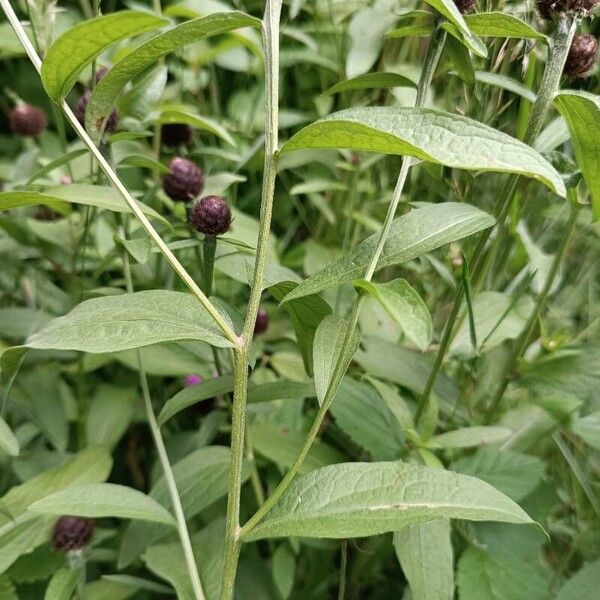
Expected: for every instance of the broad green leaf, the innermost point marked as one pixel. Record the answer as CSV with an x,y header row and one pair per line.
x,y
513,473
144,94
201,478
149,52
8,441
144,162
588,429
195,393
115,323
405,305
447,8
80,45
109,414
448,139
281,445
583,585
209,546
370,81
506,83
103,500
139,583
55,164
63,584
282,389
168,562
413,234
581,111
102,589
305,314
363,499
425,555
415,30
88,195
327,351
468,437
501,24
172,115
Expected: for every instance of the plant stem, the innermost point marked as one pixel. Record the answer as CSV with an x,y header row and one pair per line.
x,y
523,340
120,187
560,44
343,567
434,51
209,247
232,527
184,535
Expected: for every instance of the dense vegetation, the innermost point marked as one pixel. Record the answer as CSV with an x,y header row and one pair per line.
x,y
300,300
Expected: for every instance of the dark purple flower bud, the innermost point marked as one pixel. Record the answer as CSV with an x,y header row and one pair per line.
x,y
549,8
465,6
72,533
176,134
211,215
27,120
81,107
262,321
184,181
582,55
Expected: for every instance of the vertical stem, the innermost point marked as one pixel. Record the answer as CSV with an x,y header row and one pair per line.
x,y
232,527
561,42
343,568
434,51
209,247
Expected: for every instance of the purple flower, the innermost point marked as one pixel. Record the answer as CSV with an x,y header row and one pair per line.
x,y
193,380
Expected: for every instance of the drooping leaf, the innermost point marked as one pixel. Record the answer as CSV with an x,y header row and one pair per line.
x,y
103,500
149,52
581,111
501,24
405,305
8,441
362,499
411,235
425,555
370,81
434,136
80,45
327,352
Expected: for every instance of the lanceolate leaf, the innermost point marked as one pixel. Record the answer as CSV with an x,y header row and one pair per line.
x,y
8,441
77,47
581,111
499,24
411,235
434,136
362,499
103,500
370,81
62,585
148,53
171,115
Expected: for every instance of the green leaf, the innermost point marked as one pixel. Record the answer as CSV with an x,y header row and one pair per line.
x,y
8,441
448,139
62,585
370,81
584,584
500,24
87,195
144,162
305,314
115,323
506,83
467,437
425,555
55,164
581,111
149,52
171,115
80,45
109,414
99,500
168,562
406,307
413,234
588,429
447,8
282,389
327,352
363,499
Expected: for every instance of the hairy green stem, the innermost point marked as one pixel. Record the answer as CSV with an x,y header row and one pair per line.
x,y
523,340
238,424
182,529
209,247
560,44
434,51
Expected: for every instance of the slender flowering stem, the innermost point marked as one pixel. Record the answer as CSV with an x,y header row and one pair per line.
x,y
238,425
120,187
434,51
560,44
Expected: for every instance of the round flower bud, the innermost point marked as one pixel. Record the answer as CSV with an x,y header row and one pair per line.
x,y
176,134
28,120
465,6
262,321
211,215
184,181
548,8
582,55
81,107
72,533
